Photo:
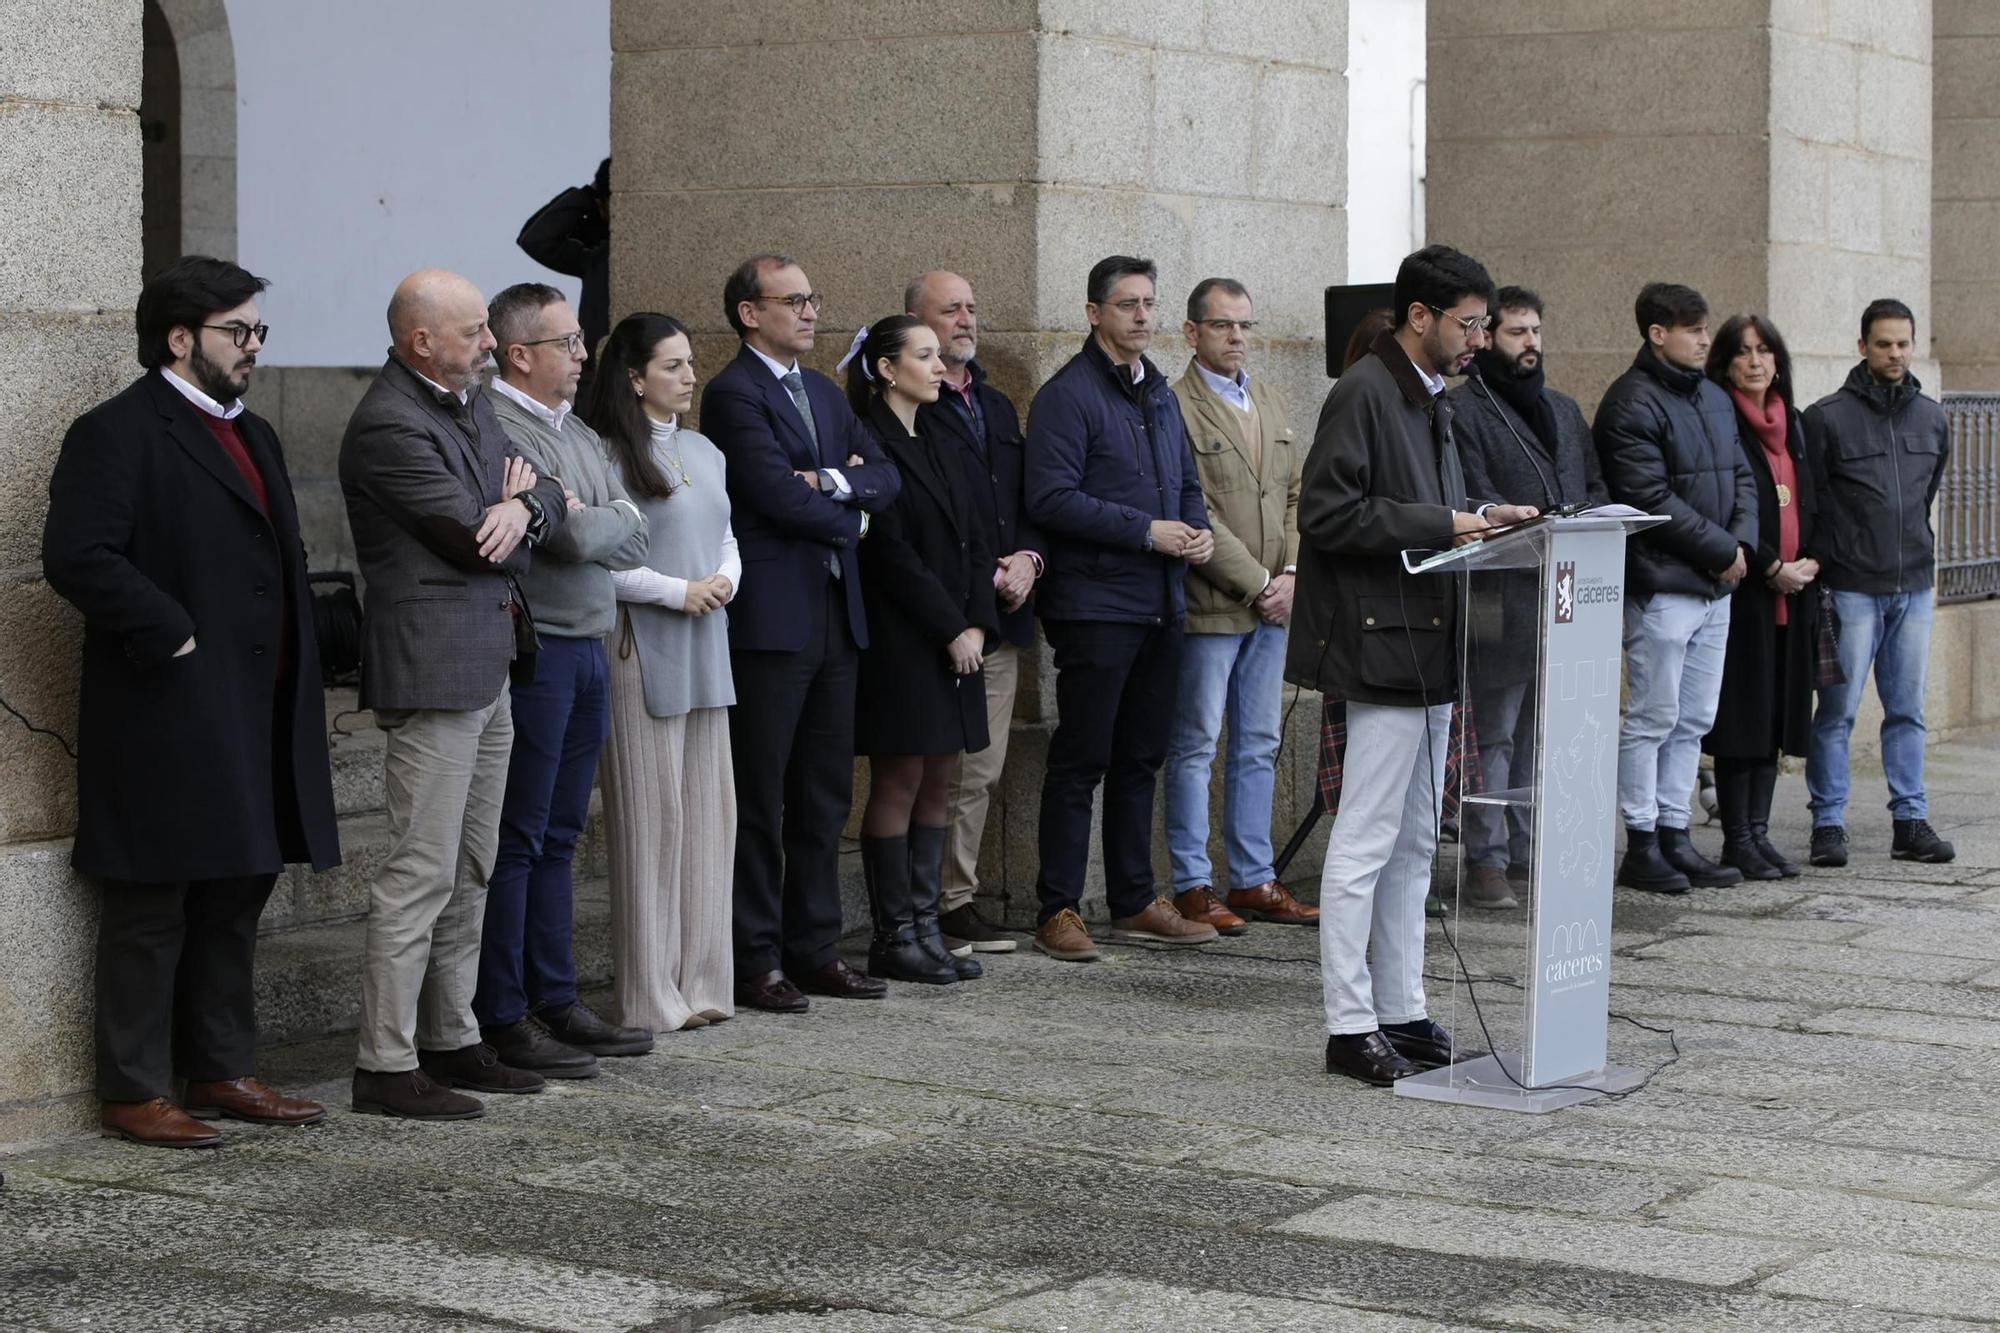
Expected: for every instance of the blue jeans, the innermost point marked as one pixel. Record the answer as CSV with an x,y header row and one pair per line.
x,y
1241,676
560,722
1497,836
1891,631
1673,667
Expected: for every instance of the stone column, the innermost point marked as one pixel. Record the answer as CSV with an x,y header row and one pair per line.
x,y
1017,142
1965,194
69,151
1774,154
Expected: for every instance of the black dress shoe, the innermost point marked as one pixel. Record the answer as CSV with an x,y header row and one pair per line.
x,y
477,1067
1423,1043
577,1024
1786,867
1369,1057
411,1095
1743,854
843,982
529,1045
773,992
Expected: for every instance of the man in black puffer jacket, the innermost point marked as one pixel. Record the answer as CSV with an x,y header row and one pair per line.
x,y
1666,437
1877,451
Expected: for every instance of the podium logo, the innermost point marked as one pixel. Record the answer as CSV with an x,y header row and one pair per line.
x,y
1576,950
1565,591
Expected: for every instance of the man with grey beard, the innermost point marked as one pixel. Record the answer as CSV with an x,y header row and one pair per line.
x,y
443,511
972,415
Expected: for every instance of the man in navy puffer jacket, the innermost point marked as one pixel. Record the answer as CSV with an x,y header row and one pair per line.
x,y
1112,484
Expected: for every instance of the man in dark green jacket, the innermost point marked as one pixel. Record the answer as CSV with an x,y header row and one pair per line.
x,y
1383,477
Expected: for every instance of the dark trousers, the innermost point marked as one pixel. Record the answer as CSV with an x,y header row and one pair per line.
x,y
174,984
792,740
560,722
1116,686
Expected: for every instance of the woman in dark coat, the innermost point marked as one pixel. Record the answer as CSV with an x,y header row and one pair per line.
x,y
926,580
1766,704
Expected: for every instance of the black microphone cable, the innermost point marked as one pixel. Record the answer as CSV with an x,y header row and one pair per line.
x,y
1549,497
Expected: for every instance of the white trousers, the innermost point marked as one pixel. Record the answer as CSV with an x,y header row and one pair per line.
x,y
1378,866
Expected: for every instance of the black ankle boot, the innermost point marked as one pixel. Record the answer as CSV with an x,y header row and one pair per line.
x,y
1763,784
1732,801
894,952
1679,850
927,890
1644,867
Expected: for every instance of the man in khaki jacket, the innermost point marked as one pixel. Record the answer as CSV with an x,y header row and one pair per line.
x,y
1237,606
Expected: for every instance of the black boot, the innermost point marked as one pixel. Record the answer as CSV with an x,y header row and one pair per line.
x,y
894,952
1763,785
927,890
1679,850
1732,800
1644,867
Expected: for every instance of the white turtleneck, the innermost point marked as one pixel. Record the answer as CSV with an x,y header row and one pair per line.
x,y
650,585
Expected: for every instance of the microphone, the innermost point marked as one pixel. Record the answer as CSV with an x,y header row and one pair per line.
x,y
1548,492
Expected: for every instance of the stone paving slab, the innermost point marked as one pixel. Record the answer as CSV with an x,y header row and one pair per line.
x,y
1897,1282
1748,1208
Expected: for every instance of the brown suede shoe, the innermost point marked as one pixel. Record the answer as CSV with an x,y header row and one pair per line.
x,y
1201,904
1064,937
1272,901
1161,924
250,1099
157,1124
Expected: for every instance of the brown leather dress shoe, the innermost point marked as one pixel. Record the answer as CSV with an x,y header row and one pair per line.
x,y
773,992
157,1124
842,982
1159,923
1272,902
1201,904
250,1099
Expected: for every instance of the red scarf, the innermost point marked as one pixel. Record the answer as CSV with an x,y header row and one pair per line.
x,y
1771,424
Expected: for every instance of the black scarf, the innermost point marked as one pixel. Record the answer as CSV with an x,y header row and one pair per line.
x,y
1522,392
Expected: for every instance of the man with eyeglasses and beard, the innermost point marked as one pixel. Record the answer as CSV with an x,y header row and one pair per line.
x,y
1383,477
202,764
1523,441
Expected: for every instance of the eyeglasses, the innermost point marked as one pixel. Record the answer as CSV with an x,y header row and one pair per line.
x,y
1470,323
1228,325
241,334
572,342
1133,303
798,301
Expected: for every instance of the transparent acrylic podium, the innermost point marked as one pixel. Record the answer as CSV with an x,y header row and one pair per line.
x,y
1540,654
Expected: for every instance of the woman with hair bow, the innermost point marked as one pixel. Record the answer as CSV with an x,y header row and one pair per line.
x,y
921,698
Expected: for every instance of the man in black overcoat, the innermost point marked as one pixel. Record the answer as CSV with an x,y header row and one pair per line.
x,y
202,766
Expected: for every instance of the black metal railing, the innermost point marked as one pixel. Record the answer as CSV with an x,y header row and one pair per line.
x,y
1968,514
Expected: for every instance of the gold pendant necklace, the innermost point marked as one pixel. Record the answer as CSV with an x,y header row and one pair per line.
x,y
1784,496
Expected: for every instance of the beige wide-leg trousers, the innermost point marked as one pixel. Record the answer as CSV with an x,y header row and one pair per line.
x,y
670,824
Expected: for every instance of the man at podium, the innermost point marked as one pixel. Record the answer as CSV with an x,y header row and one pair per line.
x,y
1383,476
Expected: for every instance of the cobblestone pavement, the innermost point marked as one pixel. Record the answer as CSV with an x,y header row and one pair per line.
x,y
1149,1143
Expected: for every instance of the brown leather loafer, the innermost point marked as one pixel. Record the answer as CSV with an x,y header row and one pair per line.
x,y
1272,902
773,992
252,1100
1159,923
842,982
1201,904
157,1124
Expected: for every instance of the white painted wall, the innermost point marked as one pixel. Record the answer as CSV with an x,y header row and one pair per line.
x,y
1385,136
374,137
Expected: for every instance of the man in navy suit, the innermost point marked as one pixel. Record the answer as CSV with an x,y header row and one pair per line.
x,y
803,477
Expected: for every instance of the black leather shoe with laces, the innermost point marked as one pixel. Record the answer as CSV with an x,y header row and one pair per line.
x,y
1916,840
529,1045
1829,845
577,1024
